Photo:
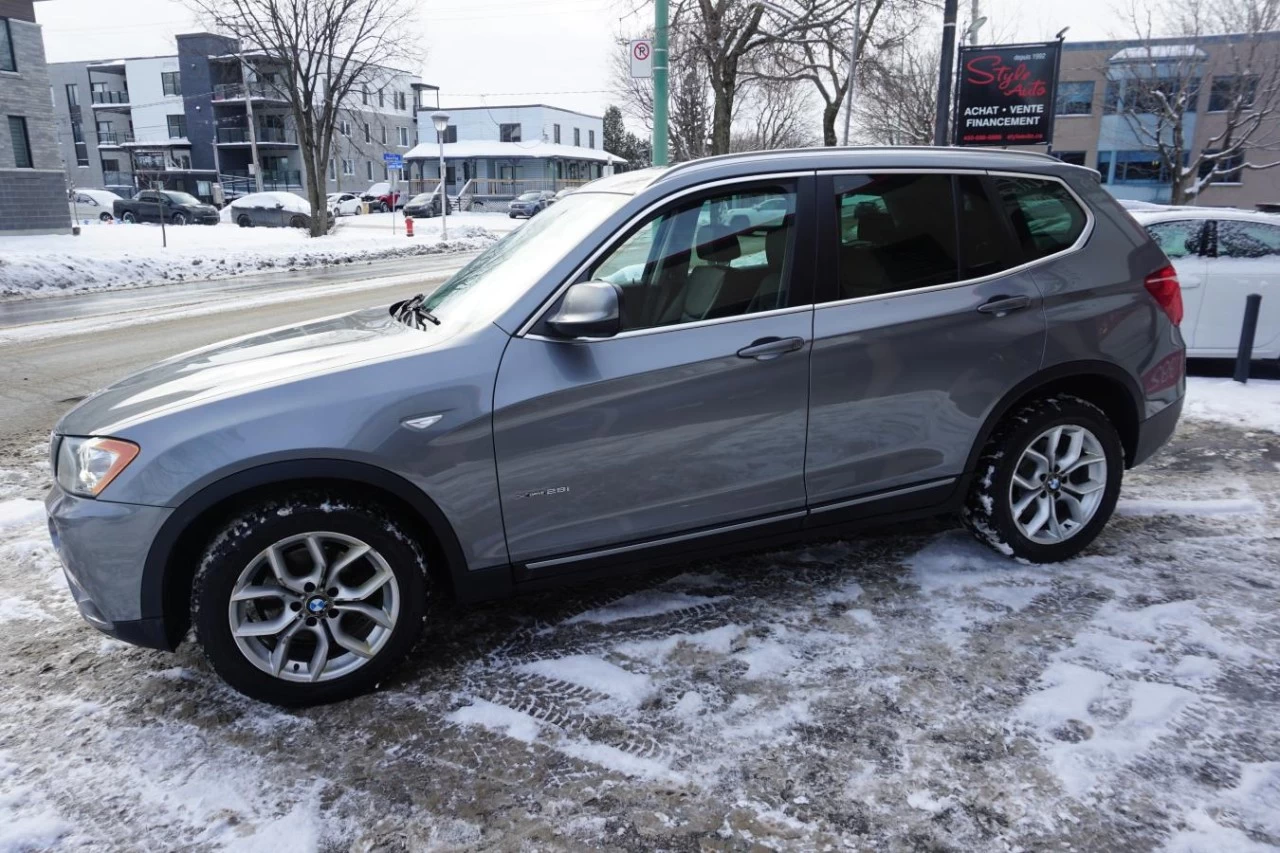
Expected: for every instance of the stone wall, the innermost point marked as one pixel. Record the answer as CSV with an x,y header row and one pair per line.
x,y
33,201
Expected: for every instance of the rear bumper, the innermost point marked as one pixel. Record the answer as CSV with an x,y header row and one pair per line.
x,y
103,547
1155,431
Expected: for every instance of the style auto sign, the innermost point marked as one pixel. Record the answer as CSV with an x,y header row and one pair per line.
x,y
1005,95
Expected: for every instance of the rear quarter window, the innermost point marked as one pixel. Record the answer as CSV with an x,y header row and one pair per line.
x,y
1046,217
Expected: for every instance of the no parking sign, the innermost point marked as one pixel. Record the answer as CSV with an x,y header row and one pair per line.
x,y
640,52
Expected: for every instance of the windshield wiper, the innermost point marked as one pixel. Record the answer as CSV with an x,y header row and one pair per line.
x,y
411,309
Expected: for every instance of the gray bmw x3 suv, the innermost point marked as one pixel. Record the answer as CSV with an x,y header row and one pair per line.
x,y
636,376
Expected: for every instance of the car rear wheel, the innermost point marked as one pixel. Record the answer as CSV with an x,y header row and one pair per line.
x,y
105,217
244,220
386,208
129,217
178,219
309,598
1047,481
298,222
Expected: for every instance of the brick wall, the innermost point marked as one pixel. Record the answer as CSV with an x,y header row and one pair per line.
x,y
33,201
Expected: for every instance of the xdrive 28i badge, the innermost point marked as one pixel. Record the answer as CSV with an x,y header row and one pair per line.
x,y
542,493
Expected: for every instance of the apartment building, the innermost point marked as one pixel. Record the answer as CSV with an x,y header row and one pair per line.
x,y
33,198
1099,113
499,152
183,120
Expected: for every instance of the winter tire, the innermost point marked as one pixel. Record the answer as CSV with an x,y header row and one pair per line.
x,y
386,208
178,219
129,217
105,217
297,222
1047,481
309,598
244,221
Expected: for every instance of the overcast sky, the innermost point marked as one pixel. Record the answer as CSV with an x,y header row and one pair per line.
x,y
504,51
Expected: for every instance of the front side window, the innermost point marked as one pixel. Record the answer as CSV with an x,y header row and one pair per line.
x,y
1075,98
1238,239
7,60
1179,239
1046,218
21,143
897,232
508,133
705,259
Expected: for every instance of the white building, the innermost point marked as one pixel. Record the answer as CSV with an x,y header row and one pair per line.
x,y
499,152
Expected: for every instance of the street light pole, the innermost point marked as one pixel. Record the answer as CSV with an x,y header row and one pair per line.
x,y
660,83
946,67
441,122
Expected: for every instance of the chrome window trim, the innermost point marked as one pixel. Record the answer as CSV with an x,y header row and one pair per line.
x,y
677,327
1079,244
614,240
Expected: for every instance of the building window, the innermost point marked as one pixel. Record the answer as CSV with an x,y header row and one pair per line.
x,y
82,150
73,95
508,133
364,97
171,83
402,101
7,60
451,133
177,127
21,143
591,139
1223,92
1075,158
555,133
577,138
344,127
1075,98
109,166
1144,96
1133,167
368,168
367,137
333,169
1226,170
403,134
382,98
348,167
384,134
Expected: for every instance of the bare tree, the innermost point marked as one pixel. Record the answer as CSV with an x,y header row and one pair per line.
x,y
689,98
330,50
1157,84
775,114
898,94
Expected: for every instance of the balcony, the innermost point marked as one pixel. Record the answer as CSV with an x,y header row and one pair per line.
x,y
259,90
266,136
110,99
113,138
117,179
282,180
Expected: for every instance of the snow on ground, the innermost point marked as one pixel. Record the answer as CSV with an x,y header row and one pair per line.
x,y
906,690
1255,405
108,256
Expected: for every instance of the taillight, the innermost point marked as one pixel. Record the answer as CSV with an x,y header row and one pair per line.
x,y
1164,289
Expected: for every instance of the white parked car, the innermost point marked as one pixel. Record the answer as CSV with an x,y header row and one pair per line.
x,y
345,204
92,204
1222,255
770,213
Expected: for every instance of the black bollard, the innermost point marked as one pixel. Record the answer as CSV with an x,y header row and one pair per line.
x,y
1252,303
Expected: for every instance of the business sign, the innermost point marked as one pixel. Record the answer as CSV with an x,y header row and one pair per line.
x,y
394,162
640,53
1005,94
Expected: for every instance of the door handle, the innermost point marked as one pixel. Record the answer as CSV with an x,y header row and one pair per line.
x,y
769,348
1002,305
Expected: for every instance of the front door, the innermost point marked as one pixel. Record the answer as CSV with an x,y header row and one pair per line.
x,y
1246,261
922,326
693,417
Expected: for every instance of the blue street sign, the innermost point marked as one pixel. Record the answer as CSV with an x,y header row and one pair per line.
x,y
393,161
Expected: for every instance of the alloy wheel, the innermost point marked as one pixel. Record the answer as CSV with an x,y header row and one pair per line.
x,y
1058,484
314,607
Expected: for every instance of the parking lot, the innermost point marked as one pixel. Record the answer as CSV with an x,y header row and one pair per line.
x,y
907,690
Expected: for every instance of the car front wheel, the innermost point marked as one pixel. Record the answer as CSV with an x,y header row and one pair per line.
x,y
129,217
178,219
1047,481
309,598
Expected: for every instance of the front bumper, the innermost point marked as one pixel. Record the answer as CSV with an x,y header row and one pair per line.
x,y
103,547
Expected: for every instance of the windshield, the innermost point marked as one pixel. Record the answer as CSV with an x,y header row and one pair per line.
x,y
183,198
528,197
421,198
504,271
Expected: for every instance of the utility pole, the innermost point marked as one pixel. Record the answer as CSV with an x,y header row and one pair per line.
x,y
974,14
946,68
853,68
660,82
253,131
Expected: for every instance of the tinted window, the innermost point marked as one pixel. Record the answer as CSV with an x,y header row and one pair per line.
x,y
703,260
1178,239
7,62
897,232
21,142
986,246
1046,217
1247,239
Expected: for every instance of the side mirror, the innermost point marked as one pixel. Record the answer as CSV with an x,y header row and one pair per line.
x,y
589,309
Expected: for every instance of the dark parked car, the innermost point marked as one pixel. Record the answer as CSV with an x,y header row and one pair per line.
x,y
425,205
272,210
176,208
530,204
633,380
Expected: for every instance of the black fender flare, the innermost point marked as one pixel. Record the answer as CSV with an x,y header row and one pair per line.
x,y
155,592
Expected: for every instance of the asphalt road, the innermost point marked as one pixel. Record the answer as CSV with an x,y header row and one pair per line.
x,y
42,377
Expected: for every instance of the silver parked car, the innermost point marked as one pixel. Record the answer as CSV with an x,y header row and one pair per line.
x,y
629,379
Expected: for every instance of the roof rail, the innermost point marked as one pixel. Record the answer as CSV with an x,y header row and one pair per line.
x,y
747,155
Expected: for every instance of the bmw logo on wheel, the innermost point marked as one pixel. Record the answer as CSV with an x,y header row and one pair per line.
x,y
316,605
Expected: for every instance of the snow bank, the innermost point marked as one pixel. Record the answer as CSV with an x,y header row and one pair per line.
x,y
20,513
109,256
1253,406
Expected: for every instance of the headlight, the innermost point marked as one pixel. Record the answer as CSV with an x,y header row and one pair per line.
x,y
86,466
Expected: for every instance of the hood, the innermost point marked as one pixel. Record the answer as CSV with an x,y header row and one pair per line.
x,y
273,357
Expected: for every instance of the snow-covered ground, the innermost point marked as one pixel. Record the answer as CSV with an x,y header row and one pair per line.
x,y
118,255
907,690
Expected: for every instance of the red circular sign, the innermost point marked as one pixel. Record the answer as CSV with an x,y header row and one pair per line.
x,y
641,50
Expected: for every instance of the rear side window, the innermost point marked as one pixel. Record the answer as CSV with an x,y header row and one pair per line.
x,y
1178,239
1046,218
1247,239
986,244
897,232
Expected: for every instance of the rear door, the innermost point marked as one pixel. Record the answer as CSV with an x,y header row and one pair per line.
x,y
1185,242
1246,260
692,419
926,318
